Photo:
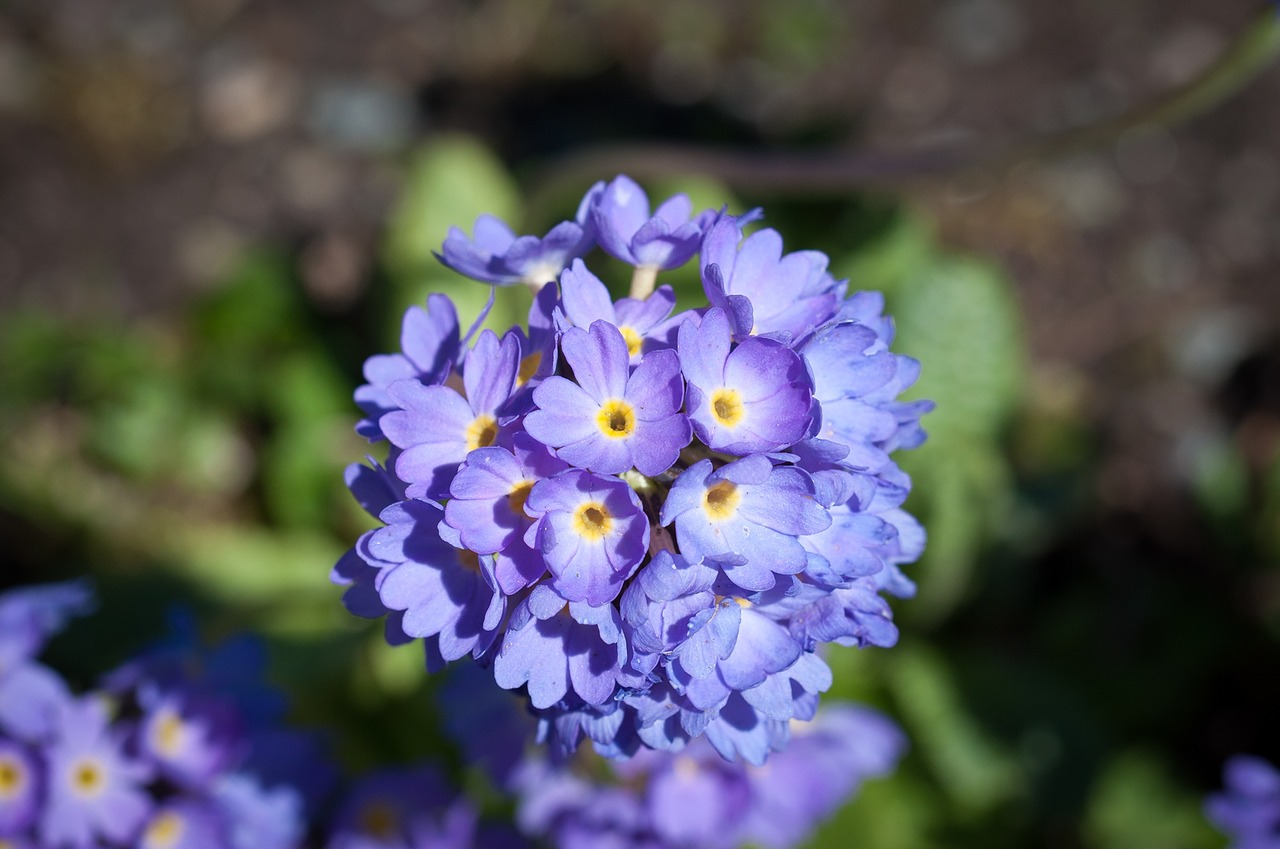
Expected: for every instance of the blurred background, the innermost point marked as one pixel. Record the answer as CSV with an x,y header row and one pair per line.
x,y
212,210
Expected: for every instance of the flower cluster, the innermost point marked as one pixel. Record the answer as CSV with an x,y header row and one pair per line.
x,y
183,749
1249,808
648,521
697,800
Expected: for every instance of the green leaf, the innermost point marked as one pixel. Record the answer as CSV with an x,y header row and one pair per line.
x,y
1137,805
974,771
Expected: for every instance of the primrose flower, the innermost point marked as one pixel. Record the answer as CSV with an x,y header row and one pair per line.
x,y
609,419
626,230
646,523
436,427
20,781
496,255
746,516
750,398
93,790
592,531
642,322
1248,810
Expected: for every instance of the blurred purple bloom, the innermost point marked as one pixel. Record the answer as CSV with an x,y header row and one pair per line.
x,y
93,790
627,231
1248,809
749,398
20,781
611,418
184,824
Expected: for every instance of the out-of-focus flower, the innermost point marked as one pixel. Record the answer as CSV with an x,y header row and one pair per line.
x,y
1248,809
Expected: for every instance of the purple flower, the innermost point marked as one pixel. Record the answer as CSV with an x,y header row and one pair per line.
x,y
185,748
496,255
93,790
755,397
258,817
763,290
436,426
554,648
822,767
487,507
19,788
626,230
430,345
642,323
31,695
184,824
610,420
592,532
387,804
746,516
1248,810
446,593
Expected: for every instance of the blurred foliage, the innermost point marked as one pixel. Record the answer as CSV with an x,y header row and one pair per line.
x,y
1057,671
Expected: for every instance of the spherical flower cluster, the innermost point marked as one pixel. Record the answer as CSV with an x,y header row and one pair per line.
x,y
1249,808
697,800
646,521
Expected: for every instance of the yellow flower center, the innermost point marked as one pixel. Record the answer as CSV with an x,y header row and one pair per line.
x,y
721,500
592,521
726,406
12,777
87,777
528,368
616,419
633,340
169,731
379,819
482,432
518,495
164,831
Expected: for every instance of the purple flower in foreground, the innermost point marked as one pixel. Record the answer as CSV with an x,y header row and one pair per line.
x,y
487,507
93,790
447,594
764,290
746,516
436,426
586,300
1248,810
554,647
592,532
611,419
496,255
627,231
750,398
430,349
